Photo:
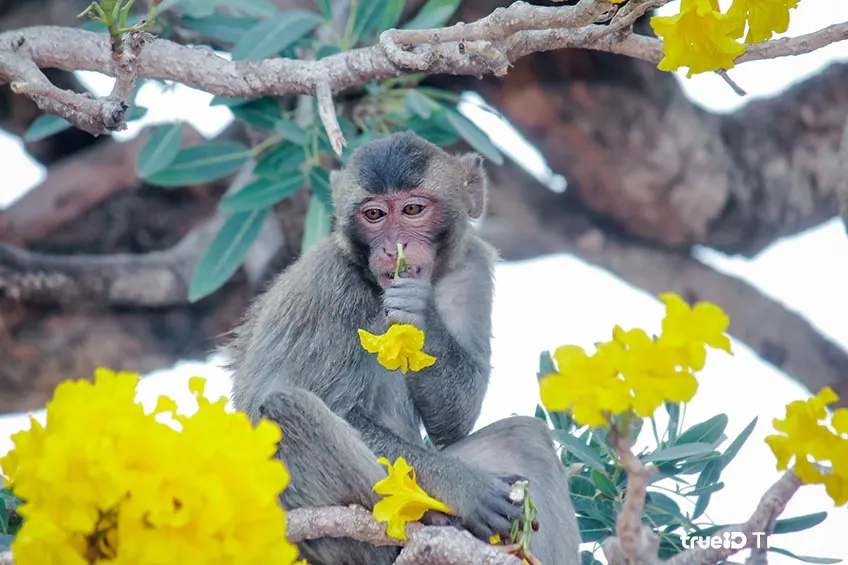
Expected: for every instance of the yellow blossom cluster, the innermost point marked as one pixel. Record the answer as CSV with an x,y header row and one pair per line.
x,y
403,500
399,348
105,482
806,435
703,38
634,371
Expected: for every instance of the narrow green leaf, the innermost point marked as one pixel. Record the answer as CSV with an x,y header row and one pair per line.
x,y
263,193
431,130
228,102
681,451
326,7
159,151
592,530
281,161
737,443
317,223
581,487
419,104
270,36
221,27
202,163
433,14
561,421
708,476
45,126
806,558
391,15
540,413
705,490
673,410
604,484
580,450
264,113
226,253
475,137
319,183
292,132
705,432
799,523
4,517
369,14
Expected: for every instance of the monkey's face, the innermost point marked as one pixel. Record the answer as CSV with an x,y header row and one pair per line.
x,y
409,218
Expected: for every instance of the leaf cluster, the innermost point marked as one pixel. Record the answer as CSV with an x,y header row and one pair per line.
x,y
10,521
689,461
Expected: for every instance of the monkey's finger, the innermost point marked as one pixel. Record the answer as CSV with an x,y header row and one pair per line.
x,y
507,509
512,479
420,287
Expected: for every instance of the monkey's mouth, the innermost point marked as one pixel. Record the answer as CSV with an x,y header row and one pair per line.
x,y
410,272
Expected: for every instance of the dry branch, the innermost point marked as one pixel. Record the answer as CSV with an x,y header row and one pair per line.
x,y
487,46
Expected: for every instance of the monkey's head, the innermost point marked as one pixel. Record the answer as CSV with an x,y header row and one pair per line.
x,y
404,190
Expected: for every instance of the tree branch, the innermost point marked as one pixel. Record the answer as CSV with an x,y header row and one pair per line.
x,y
487,46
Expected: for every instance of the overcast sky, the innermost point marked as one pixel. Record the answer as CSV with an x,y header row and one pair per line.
x,y
551,301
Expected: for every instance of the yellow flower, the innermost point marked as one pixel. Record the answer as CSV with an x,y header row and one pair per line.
x,y
651,372
764,18
699,37
807,436
398,348
403,500
693,328
103,481
588,386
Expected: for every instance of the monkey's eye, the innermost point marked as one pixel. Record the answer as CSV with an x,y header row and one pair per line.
x,y
373,214
413,209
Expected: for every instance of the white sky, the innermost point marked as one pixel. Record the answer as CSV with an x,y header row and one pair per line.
x,y
547,302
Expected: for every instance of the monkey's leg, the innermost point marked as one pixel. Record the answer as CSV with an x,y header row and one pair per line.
x,y
523,445
329,465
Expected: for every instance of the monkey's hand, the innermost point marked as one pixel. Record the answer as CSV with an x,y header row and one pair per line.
x,y
484,506
406,301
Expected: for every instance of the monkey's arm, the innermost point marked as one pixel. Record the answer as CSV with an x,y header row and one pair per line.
x,y
456,317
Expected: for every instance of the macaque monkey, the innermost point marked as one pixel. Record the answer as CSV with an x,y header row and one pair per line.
x,y
297,359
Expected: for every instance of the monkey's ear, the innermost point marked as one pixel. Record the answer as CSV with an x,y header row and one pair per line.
x,y
474,184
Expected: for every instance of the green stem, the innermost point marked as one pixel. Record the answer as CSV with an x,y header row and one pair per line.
x,y
402,263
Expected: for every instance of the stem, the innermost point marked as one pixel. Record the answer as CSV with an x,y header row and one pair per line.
x,y
401,260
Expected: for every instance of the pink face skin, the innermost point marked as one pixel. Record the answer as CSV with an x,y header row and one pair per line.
x,y
408,218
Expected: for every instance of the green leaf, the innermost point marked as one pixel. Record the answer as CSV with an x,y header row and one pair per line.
x,y
737,443
662,510
136,113
45,126
198,8
475,137
264,113
270,36
228,102
228,29
202,163
592,530
326,7
433,14
6,541
326,51
281,161
580,450
431,131
799,523
604,484
419,104
368,15
260,8
317,223
561,420
673,410
670,545
705,432
540,413
391,15
805,558
708,476
159,151
581,487
677,452
262,193
705,490
4,517
319,183
292,132
226,253
546,363
588,558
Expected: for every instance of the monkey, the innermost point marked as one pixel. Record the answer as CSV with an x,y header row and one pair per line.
x,y
296,358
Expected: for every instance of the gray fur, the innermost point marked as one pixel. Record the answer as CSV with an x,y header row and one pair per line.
x,y
297,360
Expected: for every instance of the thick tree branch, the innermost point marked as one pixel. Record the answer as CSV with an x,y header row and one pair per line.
x,y
487,46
